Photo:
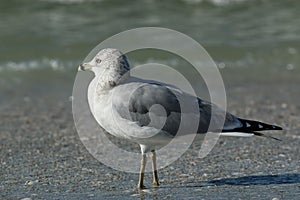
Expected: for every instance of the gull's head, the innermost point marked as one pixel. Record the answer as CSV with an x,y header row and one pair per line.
x,y
109,65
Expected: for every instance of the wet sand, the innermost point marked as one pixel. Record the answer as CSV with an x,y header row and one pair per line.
x,y
42,156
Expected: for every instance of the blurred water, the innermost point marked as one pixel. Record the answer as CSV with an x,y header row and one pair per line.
x,y
56,35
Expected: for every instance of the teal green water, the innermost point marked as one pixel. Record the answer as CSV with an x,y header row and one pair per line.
x,y
54,36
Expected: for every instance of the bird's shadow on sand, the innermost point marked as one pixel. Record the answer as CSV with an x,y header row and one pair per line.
x,y
257,180
247,180
239,181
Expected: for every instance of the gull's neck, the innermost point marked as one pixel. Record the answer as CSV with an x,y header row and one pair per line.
x,y
108,79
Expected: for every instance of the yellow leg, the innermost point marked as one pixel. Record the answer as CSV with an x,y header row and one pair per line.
x,y
155,175
142,172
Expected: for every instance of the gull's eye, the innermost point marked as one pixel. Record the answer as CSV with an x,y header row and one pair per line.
x,y
98,60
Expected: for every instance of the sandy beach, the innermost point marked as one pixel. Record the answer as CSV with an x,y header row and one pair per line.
x,y
42,156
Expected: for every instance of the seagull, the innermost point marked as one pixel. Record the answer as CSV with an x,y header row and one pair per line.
x,y
149,112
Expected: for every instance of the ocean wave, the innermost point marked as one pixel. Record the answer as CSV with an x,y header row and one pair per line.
x,y
71,1
46,63
286,56
62,65
214,2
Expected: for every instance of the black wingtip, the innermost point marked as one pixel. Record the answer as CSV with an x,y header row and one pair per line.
x,y
251,125
276,127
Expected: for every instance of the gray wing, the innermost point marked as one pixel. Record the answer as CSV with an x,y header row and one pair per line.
x,y
147,96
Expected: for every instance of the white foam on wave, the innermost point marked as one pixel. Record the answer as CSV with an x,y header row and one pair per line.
x,y
215,2
62,65
71,1
54,64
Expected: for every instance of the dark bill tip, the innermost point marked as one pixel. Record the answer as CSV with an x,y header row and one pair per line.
x,y
81,67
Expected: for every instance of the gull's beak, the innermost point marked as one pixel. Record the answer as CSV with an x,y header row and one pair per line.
x,y
81,67
84,67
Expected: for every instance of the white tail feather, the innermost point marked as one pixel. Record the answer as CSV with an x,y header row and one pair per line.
x,y
237,134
